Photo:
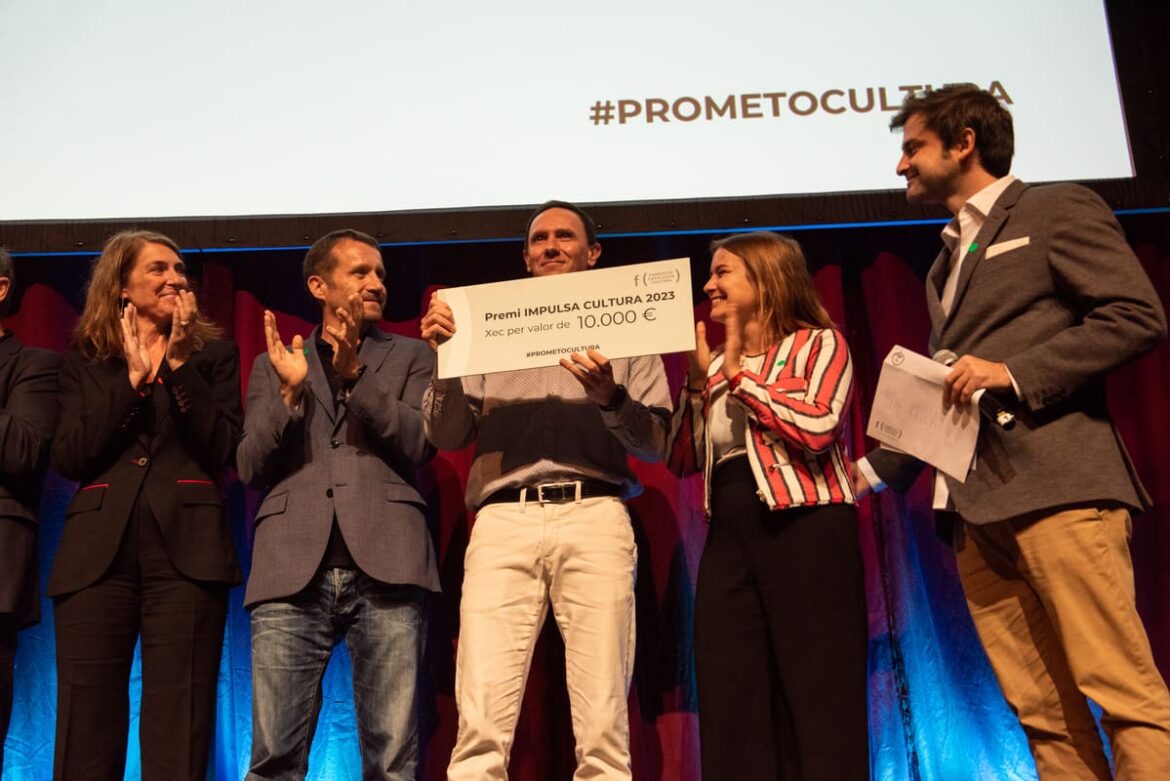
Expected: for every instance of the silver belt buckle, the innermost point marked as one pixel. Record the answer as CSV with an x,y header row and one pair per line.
x,y
562,485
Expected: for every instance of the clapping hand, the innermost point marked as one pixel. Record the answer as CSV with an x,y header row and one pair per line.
x,y
699,359
180,345
346,336
733,343
135,351
291,366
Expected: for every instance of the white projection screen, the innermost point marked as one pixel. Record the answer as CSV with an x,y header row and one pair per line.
x,y
123,109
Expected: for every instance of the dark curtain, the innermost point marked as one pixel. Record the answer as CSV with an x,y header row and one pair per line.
x,y
935,710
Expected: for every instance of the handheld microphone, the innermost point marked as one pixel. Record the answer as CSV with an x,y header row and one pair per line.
x,y
989,406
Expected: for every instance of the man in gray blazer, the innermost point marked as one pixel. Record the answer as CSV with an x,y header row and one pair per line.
x,y
1041,296
333,432
28,416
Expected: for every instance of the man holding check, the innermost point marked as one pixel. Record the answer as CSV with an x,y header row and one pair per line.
x,y
1039,293
548,479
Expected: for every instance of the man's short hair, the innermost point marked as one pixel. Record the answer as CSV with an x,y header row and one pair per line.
x,y
7,270
320,261
947,111
586,220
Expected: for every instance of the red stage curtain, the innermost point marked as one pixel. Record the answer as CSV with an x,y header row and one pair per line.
x,y
927,672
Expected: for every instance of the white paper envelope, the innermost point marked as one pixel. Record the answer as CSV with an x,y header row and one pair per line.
x,y
908,414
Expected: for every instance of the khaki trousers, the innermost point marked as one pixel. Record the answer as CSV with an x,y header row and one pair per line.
x,y
578,558
1053,601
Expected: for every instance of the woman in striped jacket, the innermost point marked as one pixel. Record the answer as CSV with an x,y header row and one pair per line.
x,y
780,615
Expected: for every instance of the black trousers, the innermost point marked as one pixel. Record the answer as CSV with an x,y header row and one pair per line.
x,y
780,639
7,660
181,623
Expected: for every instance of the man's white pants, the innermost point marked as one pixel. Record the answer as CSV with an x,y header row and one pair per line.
x,y
580,558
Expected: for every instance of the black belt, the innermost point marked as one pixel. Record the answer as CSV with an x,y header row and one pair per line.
x,y
555,493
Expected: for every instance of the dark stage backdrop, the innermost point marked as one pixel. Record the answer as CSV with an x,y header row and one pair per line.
x,y
935,710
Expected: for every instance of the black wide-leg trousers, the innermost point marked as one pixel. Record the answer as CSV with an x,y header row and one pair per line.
x,y
780,639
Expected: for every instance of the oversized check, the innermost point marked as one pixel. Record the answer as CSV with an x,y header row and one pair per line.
x,y
642,309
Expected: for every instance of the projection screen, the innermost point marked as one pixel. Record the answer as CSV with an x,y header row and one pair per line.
x,y
128,109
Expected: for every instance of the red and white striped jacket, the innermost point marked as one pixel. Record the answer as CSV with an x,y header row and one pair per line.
x,y
795,409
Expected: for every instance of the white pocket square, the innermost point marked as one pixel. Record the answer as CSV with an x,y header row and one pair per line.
x,y
1006,246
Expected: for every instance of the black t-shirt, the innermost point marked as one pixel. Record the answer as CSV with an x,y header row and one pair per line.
x,y
337,552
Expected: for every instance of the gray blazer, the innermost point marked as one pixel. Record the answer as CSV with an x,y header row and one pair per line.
x,y
357,463
1054,291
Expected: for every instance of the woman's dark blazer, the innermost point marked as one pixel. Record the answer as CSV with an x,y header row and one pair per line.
x,y
111,442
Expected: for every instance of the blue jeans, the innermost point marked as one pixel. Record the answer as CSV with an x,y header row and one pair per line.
x,y
292,640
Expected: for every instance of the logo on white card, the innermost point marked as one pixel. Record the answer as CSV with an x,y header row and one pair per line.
x,y
652,278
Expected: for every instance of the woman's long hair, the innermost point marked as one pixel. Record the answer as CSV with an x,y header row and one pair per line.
x,y
786,298
98,335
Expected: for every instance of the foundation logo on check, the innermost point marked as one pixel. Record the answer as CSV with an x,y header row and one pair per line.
x,y
652,278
